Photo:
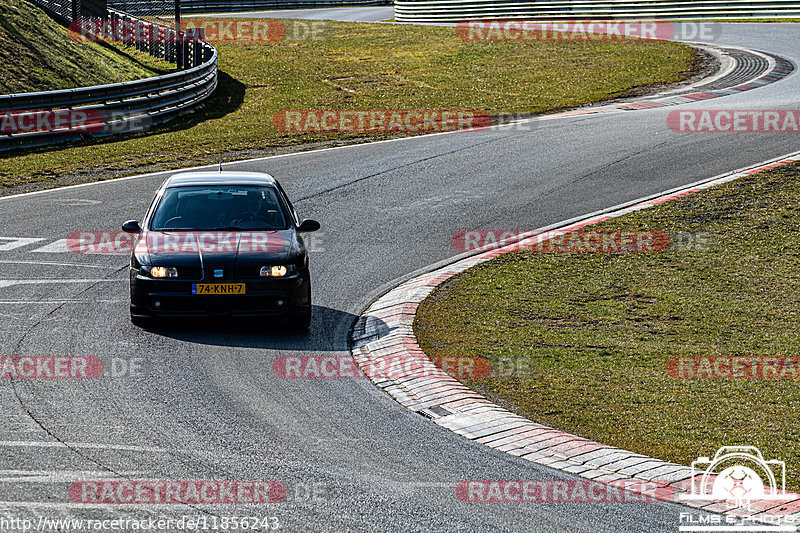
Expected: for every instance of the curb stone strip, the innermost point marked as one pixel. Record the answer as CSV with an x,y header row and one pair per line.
x,y
463,411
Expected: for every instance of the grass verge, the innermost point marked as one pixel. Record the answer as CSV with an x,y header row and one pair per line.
x,y
359,66
589,335
36,54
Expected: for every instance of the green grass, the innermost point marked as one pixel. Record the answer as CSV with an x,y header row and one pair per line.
x,y
36,54
759,20
589,334
359,66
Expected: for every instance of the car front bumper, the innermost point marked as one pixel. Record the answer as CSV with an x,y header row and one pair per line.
x,y
174,298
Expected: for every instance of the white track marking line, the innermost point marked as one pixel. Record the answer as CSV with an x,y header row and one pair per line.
x,y
57,476
63,301
421,484
16,242
162,507
57,247
214,166
12,282
70,505
86,445
74,202
54,263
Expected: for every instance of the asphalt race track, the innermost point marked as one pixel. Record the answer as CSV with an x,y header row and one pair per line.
x,y
204,402
361,14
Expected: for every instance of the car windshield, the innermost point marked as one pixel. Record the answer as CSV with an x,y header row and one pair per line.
x,y
206,208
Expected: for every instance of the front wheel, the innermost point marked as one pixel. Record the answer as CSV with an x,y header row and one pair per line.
x,y
302,321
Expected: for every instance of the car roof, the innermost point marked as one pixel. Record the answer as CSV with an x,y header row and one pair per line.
x,y
188,179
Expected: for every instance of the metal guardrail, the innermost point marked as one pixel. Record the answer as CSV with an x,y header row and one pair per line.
x,y
64,12
457,10
142,7
43,118
169,46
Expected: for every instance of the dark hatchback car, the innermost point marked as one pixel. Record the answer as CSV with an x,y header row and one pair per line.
x,y
220,244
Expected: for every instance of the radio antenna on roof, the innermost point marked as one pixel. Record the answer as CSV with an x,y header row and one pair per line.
x,y
220,163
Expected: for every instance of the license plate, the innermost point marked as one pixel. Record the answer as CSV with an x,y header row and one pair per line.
x,y
218,288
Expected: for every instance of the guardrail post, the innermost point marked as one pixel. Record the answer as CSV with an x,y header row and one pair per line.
x,y
152,38
187,58
169,44
162,42
180,45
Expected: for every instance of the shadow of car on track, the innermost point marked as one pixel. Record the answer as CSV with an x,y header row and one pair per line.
x,y
270,333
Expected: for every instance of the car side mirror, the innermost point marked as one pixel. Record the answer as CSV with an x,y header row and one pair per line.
x,y
308,225
132,226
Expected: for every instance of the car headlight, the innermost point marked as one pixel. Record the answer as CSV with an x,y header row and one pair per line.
x,y
164,272
276,271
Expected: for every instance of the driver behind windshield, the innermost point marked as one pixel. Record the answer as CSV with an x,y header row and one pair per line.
x,y
204,208
259,211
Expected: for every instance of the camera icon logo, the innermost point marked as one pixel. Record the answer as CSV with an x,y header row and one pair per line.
x,y
738,475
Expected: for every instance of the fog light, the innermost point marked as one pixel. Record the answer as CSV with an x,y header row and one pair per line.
x,y
157,304
280,303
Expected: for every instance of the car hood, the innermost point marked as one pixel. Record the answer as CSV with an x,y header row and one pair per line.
x,y
212,249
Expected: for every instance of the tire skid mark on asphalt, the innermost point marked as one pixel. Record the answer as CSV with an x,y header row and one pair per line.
x,y
778,68
66,505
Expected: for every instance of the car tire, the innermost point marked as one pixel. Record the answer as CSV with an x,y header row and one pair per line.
x,y
302,321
